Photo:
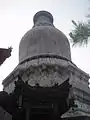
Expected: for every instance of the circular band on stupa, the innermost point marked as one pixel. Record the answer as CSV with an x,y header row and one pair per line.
x,y
44,39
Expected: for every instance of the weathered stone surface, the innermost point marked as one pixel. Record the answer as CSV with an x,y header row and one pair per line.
x,y
43,39
77,118
45,75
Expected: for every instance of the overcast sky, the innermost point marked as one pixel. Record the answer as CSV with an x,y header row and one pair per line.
x,y
16,18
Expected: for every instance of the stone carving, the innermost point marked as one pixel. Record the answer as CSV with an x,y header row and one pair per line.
x,y
44,75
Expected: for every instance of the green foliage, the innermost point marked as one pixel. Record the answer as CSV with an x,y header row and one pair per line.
x,y
80,34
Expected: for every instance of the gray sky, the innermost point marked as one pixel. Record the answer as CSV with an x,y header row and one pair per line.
x,y
16,18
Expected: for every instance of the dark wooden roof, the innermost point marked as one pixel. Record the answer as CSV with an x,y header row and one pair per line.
x,y
38,92
4,54
34,95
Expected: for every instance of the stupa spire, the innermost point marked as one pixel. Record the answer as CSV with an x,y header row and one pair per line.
x,y
43,18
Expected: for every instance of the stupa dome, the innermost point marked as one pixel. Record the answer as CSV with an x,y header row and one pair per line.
x,y
44,39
